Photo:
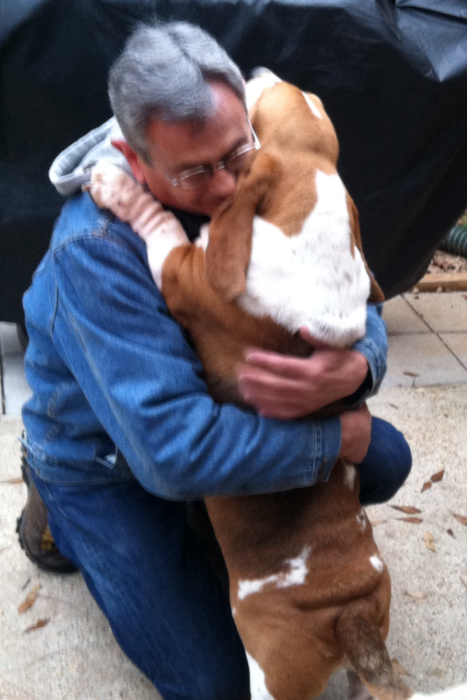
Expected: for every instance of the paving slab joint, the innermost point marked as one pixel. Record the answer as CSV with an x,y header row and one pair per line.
x,y
422,318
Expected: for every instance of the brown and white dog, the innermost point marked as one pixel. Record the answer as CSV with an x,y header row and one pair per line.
x,y
309,589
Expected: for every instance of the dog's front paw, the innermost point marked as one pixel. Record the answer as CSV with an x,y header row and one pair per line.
x,y
111,188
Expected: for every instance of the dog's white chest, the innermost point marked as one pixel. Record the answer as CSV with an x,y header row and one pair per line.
x,y
311,278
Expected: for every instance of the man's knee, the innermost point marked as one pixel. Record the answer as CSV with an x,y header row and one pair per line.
x,y
387,464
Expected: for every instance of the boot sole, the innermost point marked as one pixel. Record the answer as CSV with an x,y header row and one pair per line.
x,y
66,567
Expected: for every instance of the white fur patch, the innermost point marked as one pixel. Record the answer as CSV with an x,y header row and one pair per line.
x,y
311,278
312,106
258,688
295,577
203,238
362,521
254,87
350,475
459,693
376,563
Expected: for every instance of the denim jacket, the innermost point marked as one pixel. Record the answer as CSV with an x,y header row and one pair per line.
x,y
118,391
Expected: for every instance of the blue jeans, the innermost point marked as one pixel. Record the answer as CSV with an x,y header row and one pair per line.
x,y
154,582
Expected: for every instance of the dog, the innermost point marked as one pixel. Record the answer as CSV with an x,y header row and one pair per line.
x,y
309,590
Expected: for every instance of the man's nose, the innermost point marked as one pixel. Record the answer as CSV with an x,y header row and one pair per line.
x,y
223,183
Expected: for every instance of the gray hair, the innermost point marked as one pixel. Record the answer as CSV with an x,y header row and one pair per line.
x,y
164,73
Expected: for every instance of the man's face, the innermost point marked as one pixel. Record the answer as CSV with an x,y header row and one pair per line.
x,y
178,146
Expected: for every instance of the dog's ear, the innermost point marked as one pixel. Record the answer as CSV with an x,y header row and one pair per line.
x,y
376,293
231,229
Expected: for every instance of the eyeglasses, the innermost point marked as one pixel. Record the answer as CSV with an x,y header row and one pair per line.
x,y
201,174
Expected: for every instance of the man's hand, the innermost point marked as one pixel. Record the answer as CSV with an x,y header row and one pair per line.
x,y
279,386
356,434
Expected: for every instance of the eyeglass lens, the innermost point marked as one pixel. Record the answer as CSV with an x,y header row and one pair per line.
x,y
233,165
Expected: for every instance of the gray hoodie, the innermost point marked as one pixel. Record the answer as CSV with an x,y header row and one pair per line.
x,y
71,169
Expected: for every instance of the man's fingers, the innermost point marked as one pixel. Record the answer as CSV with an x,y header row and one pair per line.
x,y
277,399
261,395
267,384
279,365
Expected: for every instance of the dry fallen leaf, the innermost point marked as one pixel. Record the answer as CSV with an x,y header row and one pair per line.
x,y
30,599
398,668
409,510
429,541
418,595
464,583
461,518
16,480
427,485
438,476
37,625
415,521
450,532
411,374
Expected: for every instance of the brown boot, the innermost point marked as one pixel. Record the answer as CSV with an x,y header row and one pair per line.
x,y
33,530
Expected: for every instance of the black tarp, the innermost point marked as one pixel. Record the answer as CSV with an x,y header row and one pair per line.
x,y
392,75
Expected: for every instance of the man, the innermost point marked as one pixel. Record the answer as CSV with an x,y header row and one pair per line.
x,y
121,434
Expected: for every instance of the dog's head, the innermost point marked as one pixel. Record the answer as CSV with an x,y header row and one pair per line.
x,y
277,183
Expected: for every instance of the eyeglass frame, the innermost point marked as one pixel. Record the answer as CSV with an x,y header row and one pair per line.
x,y
212,169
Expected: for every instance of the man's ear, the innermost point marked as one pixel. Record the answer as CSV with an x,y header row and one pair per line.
x,y
134,161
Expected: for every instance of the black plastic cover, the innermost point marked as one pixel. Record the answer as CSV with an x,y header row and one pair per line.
x,y
391,73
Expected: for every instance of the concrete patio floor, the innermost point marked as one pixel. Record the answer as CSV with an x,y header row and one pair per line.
x,y
73,654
